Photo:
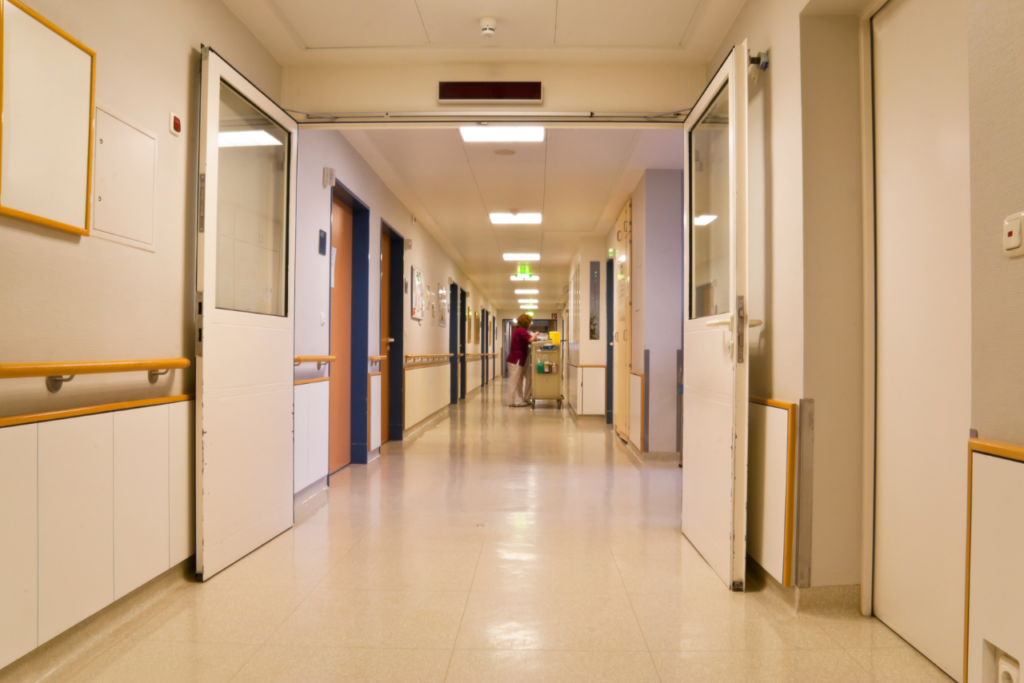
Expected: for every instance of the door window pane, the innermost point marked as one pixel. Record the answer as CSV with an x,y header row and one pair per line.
x,y
709,202
252,208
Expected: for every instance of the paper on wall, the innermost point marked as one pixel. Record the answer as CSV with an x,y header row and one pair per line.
x,y
334,257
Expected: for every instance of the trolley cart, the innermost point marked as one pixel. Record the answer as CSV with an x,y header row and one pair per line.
x,y
546,366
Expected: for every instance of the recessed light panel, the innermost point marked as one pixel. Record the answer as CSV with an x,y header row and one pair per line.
x,y
502,133
246,138
704,220
515,218
529,301
521,257
525,278
527,291
528,308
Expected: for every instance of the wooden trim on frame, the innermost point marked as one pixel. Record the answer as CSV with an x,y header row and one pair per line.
x,y
1000,450
791,409
39,220
425,365
311,381
91,410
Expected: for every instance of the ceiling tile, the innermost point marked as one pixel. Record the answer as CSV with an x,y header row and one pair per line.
x,y
381,23
509,182
637,23
520,22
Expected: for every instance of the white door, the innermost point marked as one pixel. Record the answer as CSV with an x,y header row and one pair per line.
x,y
923,323
245,303
715,362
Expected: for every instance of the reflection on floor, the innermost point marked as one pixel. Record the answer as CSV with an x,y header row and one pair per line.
x,y
498,545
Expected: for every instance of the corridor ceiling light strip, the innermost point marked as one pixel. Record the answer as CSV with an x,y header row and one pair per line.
x,y
502,133
521,257
529,301
246,138
527,291
704,220
528,308
525,278
515,219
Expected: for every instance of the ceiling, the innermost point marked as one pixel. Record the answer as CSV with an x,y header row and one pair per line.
x,y
578,179
315,31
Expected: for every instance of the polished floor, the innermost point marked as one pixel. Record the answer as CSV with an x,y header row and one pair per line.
x,y
497,545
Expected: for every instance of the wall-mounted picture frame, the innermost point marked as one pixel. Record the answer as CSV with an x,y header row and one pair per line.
x,y
442,306
419,294
47,109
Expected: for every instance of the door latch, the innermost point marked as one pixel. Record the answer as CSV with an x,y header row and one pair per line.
x,y
741,327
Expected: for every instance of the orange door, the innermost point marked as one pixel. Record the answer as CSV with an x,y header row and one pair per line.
x,y
341,338
385,332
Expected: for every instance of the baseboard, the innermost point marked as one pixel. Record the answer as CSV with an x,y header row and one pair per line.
x,y
63,657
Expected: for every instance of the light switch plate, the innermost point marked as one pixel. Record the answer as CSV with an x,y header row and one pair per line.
x,y
1012,234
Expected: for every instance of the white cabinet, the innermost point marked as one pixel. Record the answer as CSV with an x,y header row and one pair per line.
x,y
76,510
312,424
141,526
18,570
182,481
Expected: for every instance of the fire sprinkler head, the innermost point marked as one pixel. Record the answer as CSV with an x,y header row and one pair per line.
x,y
488,25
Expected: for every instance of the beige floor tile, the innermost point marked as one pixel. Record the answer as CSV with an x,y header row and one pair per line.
x,y
282,664
685,572
379,619
854,631
898,665
510,569
384,569
794,666
516,620
285,561
220,612
719,620
167,662
504,666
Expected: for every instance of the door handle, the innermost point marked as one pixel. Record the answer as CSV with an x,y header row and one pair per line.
x,y
756,323
721,323
390,340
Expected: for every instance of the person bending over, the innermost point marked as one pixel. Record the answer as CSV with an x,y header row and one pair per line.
x,y
520,379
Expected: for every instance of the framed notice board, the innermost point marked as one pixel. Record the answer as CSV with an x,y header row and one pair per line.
x,y
47,100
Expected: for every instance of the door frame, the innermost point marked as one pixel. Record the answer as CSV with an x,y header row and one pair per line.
x,y
462,343
609,357
359,427
396,353
453,342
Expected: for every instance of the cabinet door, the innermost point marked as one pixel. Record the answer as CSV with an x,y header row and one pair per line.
x,y
141,525
76,512
19,569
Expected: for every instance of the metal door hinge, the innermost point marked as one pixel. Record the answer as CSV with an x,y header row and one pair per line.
x,y
741,328
202,202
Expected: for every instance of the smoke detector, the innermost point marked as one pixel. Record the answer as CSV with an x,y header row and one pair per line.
x,y
487,26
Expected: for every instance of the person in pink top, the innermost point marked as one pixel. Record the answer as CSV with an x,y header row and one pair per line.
x,y
520,379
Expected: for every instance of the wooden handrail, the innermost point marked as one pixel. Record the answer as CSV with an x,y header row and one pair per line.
x,y
14,370
429,355
315,359
57,374
90,410
375,359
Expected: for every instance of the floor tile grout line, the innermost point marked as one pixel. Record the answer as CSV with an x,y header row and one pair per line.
x,y
465,607
629,599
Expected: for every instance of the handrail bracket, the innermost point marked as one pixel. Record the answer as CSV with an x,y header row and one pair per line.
x,y
55,382
154,375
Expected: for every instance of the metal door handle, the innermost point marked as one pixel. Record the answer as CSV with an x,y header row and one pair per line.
x,y
721,323
756,323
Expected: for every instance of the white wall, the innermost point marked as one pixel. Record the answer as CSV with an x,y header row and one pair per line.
x,y
102,300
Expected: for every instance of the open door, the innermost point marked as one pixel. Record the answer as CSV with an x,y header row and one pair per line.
x,y
715,362
245,265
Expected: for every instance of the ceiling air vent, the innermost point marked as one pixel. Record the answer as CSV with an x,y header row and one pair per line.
x,y
511,92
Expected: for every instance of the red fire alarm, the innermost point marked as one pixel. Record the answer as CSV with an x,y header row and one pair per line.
x,y
175,125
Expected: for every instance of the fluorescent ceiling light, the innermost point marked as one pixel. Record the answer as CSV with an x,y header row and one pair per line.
x,y
528,308
515,219
520,257
246,138
622,259
529,301
527,291
502,133
525,278
704,220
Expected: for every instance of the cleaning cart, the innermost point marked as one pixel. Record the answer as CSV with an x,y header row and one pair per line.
x,y
546,366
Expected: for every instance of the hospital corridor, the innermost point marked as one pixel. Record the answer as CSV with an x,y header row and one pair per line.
x,y
434,341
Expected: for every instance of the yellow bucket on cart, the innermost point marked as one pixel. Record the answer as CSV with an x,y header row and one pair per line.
x,y
556,337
